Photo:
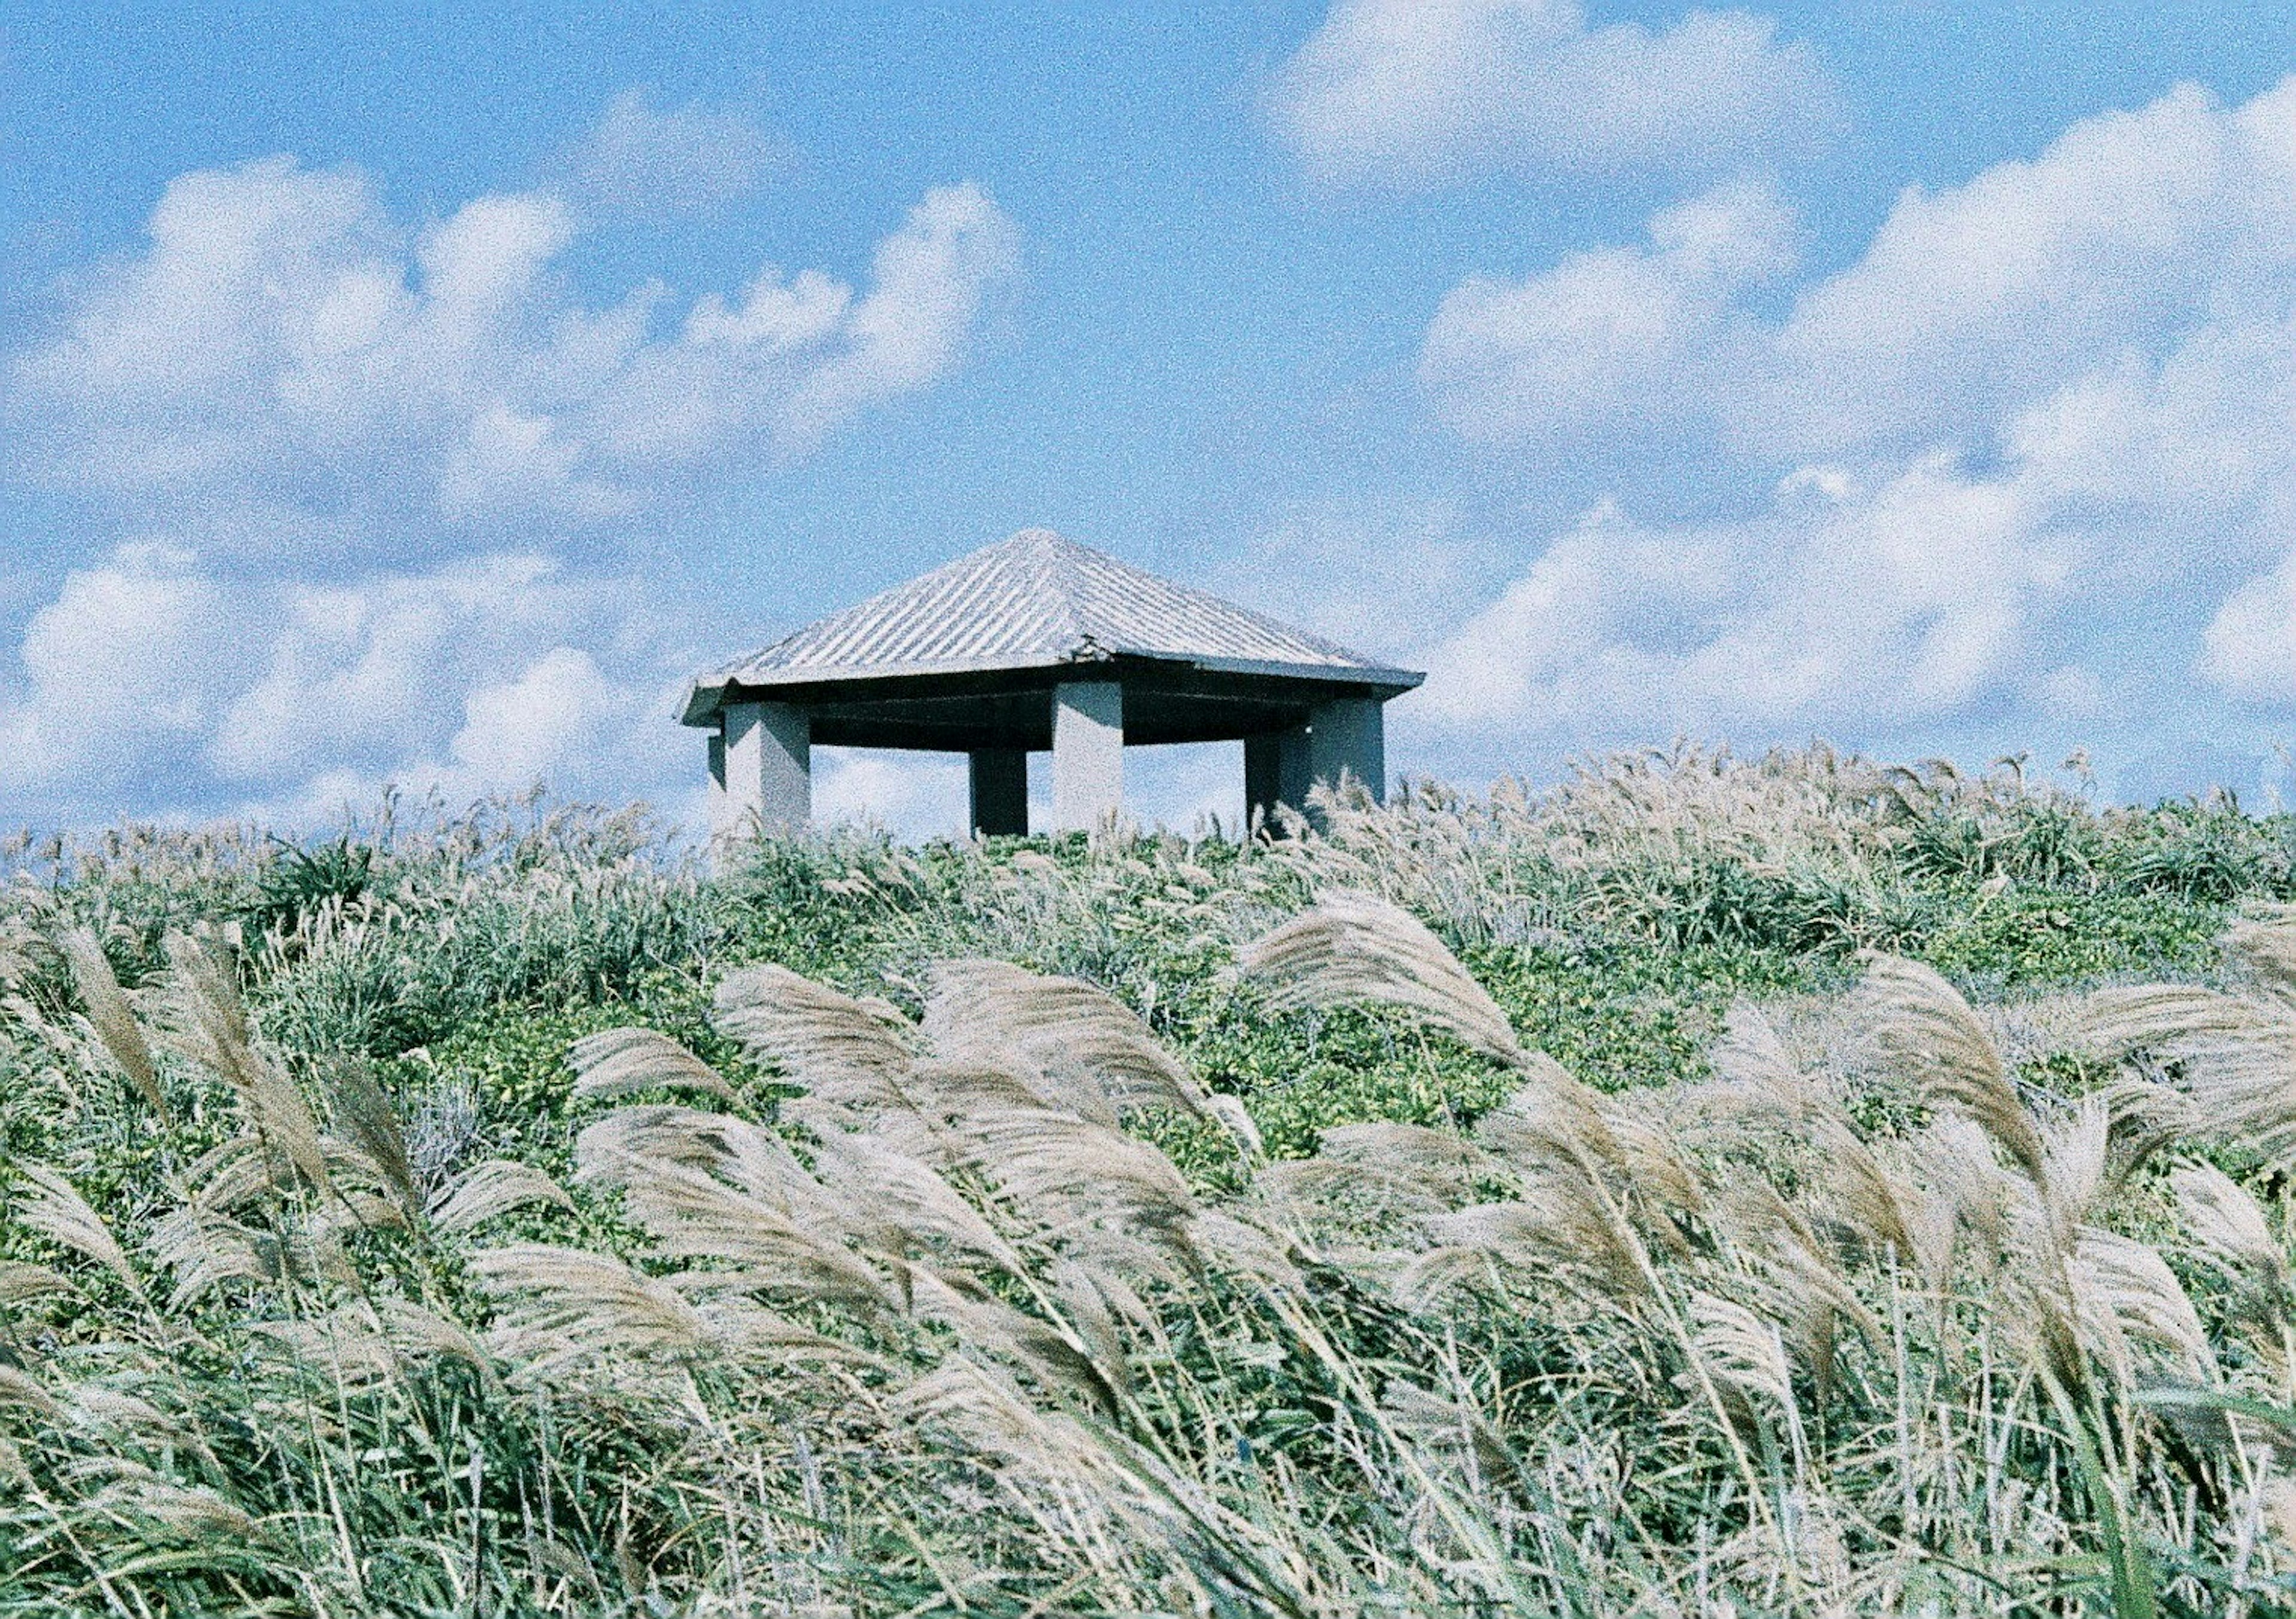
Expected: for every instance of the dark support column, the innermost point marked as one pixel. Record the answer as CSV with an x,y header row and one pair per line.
x,y
1347,736
1000,792
1275,772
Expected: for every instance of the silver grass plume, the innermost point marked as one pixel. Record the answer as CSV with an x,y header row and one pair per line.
x,y
694,1215
1444,1163
1076,1177
109,1015
365,1116
2125,1290
564,1306
2229,1230
1742,1349
2264,942
1758,1092
906,1203
1053,1357
618,1061
189,1514
837,1047
48,1203
608,1150
1563,1226
1356,947
345,1348
23,1283
2236,1054
207,1022
493,1188
1096,1056
1923,1027
1553,1119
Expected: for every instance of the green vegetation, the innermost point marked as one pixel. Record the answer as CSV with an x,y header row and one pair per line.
x,y
1791,1186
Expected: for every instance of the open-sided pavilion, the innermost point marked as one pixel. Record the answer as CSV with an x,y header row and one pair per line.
x,y
1032,644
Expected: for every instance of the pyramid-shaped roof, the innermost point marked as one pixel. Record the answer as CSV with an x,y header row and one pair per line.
x,y
1039,600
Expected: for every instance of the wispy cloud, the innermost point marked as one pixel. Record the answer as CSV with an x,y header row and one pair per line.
x,y
645,159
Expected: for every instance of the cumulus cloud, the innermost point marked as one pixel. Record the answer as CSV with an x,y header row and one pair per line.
x,y
123,660
1640,336
1914,597
648,160
2162,240
348,483
290,361
2036,443
480,675
1415,89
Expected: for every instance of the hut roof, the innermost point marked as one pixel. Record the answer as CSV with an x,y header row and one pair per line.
x,y
1039,600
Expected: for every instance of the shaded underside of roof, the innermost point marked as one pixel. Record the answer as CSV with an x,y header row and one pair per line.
x,y
961,710
1039,601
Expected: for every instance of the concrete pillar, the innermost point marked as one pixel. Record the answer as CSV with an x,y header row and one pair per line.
x,y
766,753
1275,767
1087,754
1348,736
1000,792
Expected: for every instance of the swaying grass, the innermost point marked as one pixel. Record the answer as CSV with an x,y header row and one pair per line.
x,y
1480,1208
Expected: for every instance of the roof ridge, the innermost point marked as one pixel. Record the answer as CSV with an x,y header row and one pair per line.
x,y
1053,569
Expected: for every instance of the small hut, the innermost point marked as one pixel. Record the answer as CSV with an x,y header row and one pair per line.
x,y
1036,644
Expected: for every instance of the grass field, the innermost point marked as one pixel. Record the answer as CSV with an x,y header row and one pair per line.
x,y
1790,1186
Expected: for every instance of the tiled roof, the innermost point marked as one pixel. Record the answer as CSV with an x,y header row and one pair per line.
x,y
1040,600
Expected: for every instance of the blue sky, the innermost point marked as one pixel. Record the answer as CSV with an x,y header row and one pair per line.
x,y
415,398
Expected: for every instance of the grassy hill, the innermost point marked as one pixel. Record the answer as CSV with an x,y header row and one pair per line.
x,y
1784,1186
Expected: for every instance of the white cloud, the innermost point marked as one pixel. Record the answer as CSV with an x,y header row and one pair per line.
x,y
2132,233
2249,647
1409,89
285,358
1911,597
480,675
914,796
1375,575
677,159
555,709
2162,238
377,671
1614,337
358,479
2039,440
121,662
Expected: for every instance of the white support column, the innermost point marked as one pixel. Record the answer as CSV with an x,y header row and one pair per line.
x,y
1000,792
1276,771
1349,738
1087,754
766,750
